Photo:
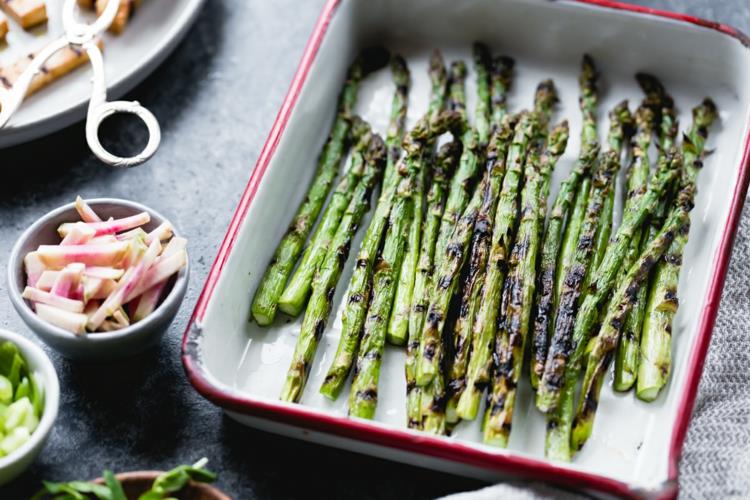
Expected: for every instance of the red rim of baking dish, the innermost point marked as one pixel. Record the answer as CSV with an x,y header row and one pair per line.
x,y
439,447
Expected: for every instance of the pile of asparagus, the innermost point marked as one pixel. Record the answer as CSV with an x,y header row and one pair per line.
x,y
463,263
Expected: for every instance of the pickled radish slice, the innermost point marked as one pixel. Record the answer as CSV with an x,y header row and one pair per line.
x,y
104,275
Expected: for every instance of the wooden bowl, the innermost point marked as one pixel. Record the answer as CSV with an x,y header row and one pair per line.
x,y
137,483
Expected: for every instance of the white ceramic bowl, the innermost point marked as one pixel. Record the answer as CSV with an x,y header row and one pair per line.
x,y
100,346
14,464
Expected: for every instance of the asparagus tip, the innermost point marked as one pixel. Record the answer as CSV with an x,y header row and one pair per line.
x,y
705,114
503,64
437,64
458,70
371,59
558,138
650,84
377,150
588,69
656,95
400,71
645,117
546,94
482,55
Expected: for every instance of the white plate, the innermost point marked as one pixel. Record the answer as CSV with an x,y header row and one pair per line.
x,y
635,446
154,30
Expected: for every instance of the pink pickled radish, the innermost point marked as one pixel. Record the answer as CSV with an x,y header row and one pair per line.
x,y
57,257
109,326
68,280
67,320
86,213
121,318
136,248
34,267
105,238
97,288
163,232
161,271
110,226
105,273
148,301
46,280
126,285
64,303
91,307
79,234
77,292
175,245
133,233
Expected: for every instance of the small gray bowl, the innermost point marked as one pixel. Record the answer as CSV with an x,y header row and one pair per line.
x,y
94,346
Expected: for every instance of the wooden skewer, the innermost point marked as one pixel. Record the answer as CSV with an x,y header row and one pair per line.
x,y
27,13
57,66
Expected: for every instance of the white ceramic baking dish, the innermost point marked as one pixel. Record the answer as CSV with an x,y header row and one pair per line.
x,y
635,447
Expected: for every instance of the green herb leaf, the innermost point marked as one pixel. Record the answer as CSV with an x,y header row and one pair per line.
x,y
201,475
37,394
18,365
23,389
115,488
6,390
8,351
74,490
171,481
98,490
176,479
62,490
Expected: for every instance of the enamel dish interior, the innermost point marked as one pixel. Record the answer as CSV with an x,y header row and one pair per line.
x,y
631,439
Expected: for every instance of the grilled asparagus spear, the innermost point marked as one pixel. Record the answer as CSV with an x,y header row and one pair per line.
x,y
428,355
483,67
480,246
513,333
545,298
627,355
656,349
483,334
398,326
561,235
327,277
265,302
474,141
442,171
363,394
460,186
400,105
295,295
661,106
446,278
360,285
502,76
557,392
575,277
623,300
589,103
545,99
620,132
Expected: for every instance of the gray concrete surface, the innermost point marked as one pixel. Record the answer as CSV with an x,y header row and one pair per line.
x,y
216,98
